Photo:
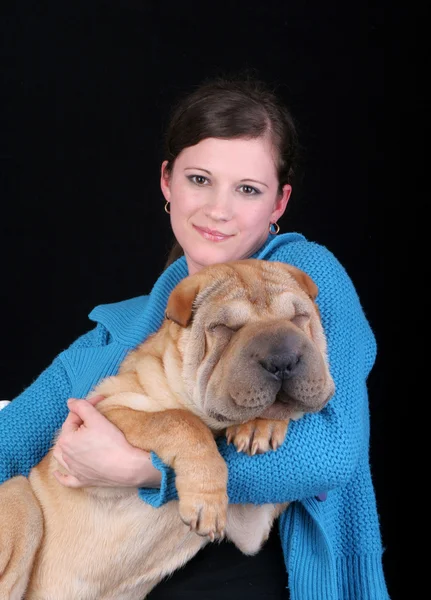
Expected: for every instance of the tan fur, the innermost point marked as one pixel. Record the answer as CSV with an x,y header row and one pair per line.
x,y
198,377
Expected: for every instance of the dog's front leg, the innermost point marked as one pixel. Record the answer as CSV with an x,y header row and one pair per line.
x,y
186,444
21,530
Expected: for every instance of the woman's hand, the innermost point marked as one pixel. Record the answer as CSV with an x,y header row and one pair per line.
x,y
96,453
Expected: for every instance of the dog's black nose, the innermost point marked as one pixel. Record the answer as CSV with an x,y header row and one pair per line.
x,y
282,366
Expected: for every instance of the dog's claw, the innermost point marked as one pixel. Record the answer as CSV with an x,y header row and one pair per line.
x,y
241,446
205,513
274,444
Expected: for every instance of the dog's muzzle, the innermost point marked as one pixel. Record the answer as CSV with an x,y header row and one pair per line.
x,y
277,364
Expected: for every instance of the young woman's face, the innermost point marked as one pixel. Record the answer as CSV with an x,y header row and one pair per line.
x,y
223,196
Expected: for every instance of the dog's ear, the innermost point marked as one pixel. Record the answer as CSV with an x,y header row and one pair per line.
x,y
180,303
304,281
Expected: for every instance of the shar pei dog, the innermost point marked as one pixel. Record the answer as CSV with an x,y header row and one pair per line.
x,y
241,352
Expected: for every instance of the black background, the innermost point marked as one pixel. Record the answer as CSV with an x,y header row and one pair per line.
x,y
87,88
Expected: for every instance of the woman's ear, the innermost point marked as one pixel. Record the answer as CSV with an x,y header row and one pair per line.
x,y
165,179
281,203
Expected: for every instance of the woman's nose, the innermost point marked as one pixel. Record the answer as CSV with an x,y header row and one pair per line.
x,y
219,206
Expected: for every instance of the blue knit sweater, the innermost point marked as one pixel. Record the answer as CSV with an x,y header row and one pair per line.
x,y
332,548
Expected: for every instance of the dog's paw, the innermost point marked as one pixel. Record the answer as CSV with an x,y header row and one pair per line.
x,y
257,436
205,513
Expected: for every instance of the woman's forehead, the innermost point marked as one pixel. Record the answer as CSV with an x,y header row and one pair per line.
x,y
240,157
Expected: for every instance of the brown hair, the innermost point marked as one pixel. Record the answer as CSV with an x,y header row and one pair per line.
x,y
227,108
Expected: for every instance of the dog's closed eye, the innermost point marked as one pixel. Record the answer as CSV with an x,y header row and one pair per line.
x,y
218,328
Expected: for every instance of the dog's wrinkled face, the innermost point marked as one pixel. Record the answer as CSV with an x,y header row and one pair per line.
x,y
252,342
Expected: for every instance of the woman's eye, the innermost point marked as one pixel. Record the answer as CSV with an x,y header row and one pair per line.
x,y
248,190
198,179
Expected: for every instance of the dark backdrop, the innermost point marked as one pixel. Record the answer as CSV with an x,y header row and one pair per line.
x,y
86,92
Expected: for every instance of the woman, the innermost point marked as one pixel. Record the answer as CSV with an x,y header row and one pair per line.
x,y
230,158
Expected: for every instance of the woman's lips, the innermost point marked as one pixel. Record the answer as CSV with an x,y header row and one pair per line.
x,y
212,234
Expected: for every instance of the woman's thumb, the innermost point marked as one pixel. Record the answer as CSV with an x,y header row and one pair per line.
x,y
84,409
95,399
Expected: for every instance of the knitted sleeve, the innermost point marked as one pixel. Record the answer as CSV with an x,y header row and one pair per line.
x,y
28,424
321,450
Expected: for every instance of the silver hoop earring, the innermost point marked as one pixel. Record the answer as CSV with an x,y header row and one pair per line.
x,y
167,207
274,228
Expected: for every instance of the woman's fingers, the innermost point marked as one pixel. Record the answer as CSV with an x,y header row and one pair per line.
x,y
67,480
81,412
73,420
58,455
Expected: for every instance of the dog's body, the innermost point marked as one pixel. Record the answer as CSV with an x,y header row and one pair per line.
x,y
242,352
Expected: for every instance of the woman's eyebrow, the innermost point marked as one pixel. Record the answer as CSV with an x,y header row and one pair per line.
x,y
254,181
199,168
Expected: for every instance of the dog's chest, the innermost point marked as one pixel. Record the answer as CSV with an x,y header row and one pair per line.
x,y
115,548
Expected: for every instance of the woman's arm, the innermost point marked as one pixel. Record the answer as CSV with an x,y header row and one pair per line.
x,y
29,423
322,450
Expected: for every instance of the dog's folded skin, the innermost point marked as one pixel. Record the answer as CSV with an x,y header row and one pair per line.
x,y
241,352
